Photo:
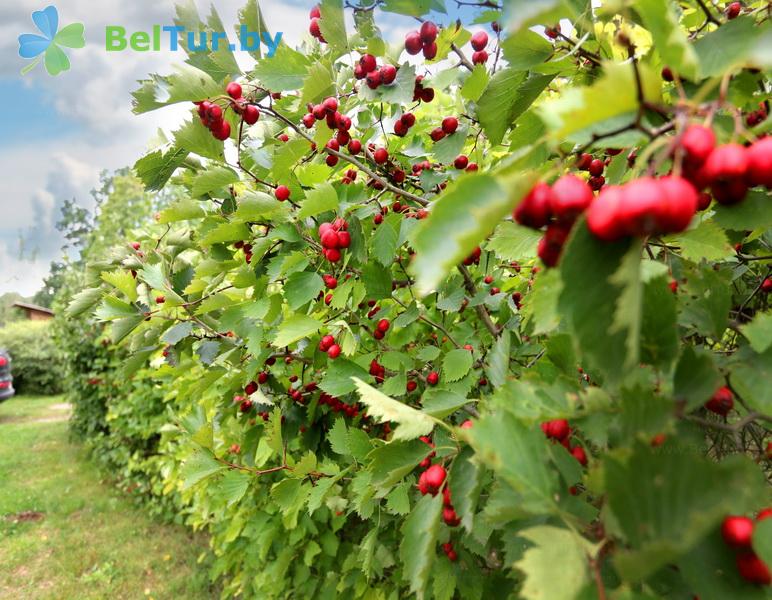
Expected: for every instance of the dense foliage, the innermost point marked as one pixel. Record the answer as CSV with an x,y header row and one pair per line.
x,y
37,363
374,388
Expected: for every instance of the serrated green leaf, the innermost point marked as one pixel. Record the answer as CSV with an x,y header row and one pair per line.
x,y
670,41
511,241
419,538
696,377
759,332
183,210
456,364
322,198
294,328
706,241
411,422
301,288
198,467
284,71
213,179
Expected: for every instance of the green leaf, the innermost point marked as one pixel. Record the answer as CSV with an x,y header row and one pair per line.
x,y
212,180
294,328
726,47
83,301
665,501
706,241
399,92
198,467
332,24
751,213
384,241
603,316
284,71
475,84
197,139
419,540
518,454
762,540
541,305
511,241
659,328
182,210
750,377
226,233
441,403
670,41
460,219
456,364
339,378
696,377
257,206
251,16
495,105
552,546
398,501
579,112
114,308
525,49
157,167
232,486
177,333
123,281
318,84
186,84
301,288
466,476
411,423
321,199
377,280
759,332
391,462
498,360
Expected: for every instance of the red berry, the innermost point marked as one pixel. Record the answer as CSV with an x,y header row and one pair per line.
x,y
450,517
223,131
408,119
334,351
383,325
315,12
332,254
467,424
282,193
640,208
160,299
433,378
388,74
233,90
309,120
449,125
596,167
678,204
330,104
461,162
766,285
584,161
721,402
579,454
262,377
368,63
428,32
344,239
479,41
400,128
314,29
570,197
534,210
753,569
765,513
557,429
435,477
380,156
759,156
413,43
480,58
437,134
330,239
603,215
733,10
430,51
698,142
667,74
727,162
355,146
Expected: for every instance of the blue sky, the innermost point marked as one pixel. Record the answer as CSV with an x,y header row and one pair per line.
x,y
60,133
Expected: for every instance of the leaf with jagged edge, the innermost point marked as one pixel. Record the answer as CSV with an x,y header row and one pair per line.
x,y
411,423
419,539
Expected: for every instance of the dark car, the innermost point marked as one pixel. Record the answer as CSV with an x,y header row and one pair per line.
x,y
6,380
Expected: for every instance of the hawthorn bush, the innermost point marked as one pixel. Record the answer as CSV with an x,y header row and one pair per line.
x,y
36,360
480,323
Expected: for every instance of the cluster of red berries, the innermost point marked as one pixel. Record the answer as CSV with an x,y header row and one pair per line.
x,y
474,257
403,124
427,462
721,402
425,94
381,328
212,115
755,117
560,431
367,69
448,127
430,481
479,43
327,344
448,512
377,370
247,248
595,166
728,170
462,163
447,548
334,237
557,206
297,394
643,206
336,405
424,41
313,27
737,532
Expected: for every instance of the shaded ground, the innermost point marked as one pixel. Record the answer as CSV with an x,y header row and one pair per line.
x,y
66,535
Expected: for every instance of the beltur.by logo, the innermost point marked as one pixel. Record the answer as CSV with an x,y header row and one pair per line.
x,y
48,46
167,38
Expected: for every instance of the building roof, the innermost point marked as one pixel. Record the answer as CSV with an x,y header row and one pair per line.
x,y
34,307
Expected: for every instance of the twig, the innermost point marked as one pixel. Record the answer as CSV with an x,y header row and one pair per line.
x,y
481,310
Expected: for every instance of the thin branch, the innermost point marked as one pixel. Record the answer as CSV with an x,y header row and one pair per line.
x,y
481,310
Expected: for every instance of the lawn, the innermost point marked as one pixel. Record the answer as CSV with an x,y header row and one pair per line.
x,y
66,534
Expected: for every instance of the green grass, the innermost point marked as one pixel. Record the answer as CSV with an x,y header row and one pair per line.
x,y
92,541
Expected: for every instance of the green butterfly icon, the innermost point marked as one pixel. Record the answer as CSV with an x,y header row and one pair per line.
x,y
46,47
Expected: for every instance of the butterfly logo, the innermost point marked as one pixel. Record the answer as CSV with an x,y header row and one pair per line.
x,y
47,47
